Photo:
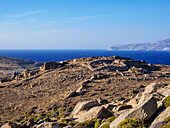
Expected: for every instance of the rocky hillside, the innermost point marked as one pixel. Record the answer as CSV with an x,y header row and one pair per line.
x,y
9,65
87,93
163,45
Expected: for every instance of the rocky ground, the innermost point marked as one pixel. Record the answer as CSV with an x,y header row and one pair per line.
x,y
90,90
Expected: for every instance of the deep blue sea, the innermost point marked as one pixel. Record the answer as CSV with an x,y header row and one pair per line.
x,y
153,57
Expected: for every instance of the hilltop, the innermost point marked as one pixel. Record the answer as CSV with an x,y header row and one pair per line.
x,y
163,45
62,93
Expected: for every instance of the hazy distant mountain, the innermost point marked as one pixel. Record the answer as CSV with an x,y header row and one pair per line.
x,y
163,45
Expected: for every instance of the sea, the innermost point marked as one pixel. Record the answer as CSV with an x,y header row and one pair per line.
x,y
153,57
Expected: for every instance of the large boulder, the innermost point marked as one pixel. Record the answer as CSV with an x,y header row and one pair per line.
x,y
133,102
84,105
150,88
158,124
95,112
143,111
162,116
143,98
51,65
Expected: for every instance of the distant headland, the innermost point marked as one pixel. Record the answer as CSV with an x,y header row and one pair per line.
x,y
163,45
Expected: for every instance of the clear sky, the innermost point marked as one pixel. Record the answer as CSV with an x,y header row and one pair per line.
x,y
81,24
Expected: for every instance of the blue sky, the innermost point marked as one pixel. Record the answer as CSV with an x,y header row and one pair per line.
x,y
81,24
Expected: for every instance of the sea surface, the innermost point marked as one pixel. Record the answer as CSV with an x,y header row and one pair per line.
x,y
153,57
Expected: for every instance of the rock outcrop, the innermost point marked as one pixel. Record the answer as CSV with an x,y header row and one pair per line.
x,y
162,116
95,112
84,105
150,88
51,65
144,111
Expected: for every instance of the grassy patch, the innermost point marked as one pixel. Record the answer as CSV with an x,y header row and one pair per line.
x,y
97,124
166,101
46,119
106,125
68,122
87,124
23,120
3,121
131,123
110,119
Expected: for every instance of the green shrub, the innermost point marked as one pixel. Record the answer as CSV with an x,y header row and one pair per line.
x,y
46,119
103,121
60,110
87,124
72,123
166,101
39,117
64,121
3,121
23,120
61,115
69,110
14,121
131,123
97,124
110,119
68,122
106,125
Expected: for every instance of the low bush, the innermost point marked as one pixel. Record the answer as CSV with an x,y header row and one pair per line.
x,y
87,124
166,101
110,119
68,122
106,125
131,123
97,124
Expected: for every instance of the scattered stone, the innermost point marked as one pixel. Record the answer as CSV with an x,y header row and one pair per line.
x,y
150,88
79,90
109,106
51,65
102,101
72,94
95,112
144,98
133,102
84,105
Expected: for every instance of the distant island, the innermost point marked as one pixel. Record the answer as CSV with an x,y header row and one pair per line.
x,y
163,45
